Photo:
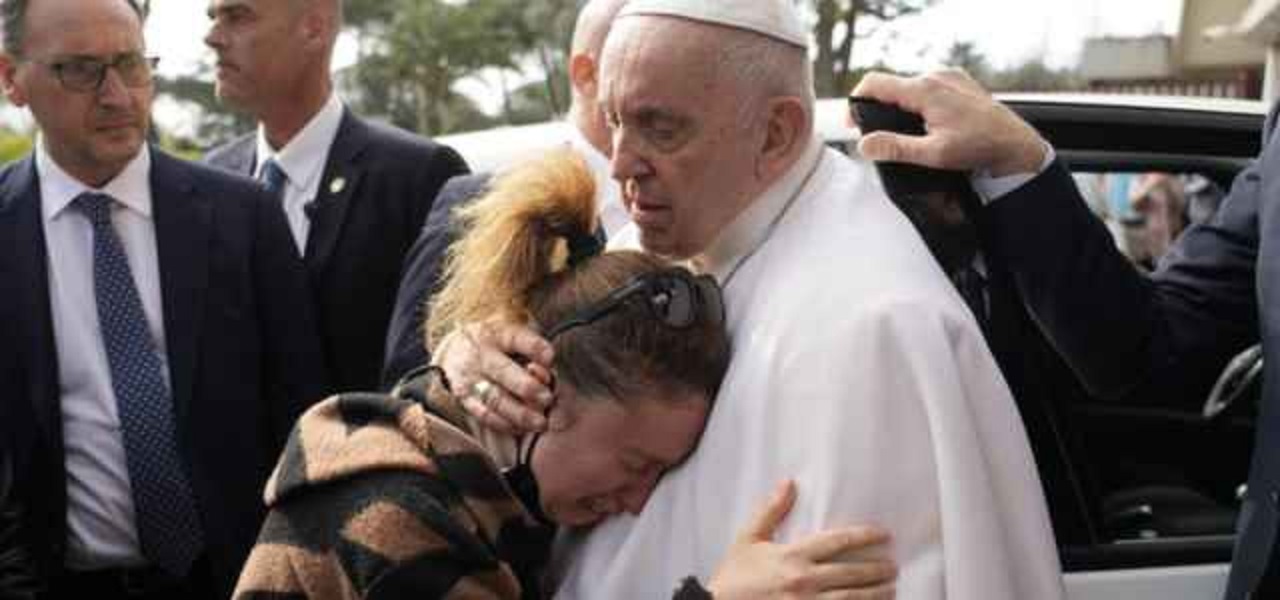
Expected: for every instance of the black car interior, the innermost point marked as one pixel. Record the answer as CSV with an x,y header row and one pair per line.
x,y
1154,483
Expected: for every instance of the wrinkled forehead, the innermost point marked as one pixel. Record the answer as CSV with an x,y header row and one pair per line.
x,y
647,53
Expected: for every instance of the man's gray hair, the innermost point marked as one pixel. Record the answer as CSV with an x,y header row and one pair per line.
x,y
761,68
13,14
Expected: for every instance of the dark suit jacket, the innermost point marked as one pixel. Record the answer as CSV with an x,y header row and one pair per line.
x,y
242,349
17,571
360,230
405,347
1164,337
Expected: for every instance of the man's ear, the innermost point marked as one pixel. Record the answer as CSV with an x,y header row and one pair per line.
x,y
317,29
582,74
9,83
783,135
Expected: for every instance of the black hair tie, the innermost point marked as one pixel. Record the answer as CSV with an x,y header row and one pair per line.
x,y
583,246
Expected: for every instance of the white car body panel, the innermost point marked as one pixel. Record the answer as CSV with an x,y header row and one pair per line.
x,y
1199,582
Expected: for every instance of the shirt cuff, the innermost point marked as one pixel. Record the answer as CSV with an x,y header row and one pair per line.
x,y
991,188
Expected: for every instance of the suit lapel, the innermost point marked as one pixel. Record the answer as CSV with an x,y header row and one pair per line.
x,y
242,155
22,241
338,182
183,219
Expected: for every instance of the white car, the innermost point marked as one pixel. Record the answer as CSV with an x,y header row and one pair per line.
x,y
491,149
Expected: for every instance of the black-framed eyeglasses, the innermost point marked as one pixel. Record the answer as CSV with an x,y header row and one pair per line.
x,y
675,297
86,74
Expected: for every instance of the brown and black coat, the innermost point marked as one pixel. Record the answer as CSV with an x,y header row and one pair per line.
x,y
382,496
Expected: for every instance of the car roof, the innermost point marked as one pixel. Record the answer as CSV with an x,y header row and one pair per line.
x,y
491,149
1140,101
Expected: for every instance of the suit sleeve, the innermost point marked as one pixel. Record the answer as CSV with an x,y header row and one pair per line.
x,y
295,375
438,169
419,279
18,579
1163,337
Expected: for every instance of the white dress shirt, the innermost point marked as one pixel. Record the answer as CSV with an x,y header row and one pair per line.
x,y
858,371
990,188
302,160
101,528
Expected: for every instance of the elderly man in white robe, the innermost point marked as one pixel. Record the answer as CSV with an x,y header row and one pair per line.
x,y
856,368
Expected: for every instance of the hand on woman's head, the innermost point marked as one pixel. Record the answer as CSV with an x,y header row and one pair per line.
x,y
514,398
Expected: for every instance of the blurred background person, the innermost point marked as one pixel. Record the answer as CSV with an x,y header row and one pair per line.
x,y
585,132
355,192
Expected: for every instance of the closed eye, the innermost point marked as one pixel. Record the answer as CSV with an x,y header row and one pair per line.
x,y
663,130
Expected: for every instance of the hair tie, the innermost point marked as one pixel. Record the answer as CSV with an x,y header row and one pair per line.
x,y
583,246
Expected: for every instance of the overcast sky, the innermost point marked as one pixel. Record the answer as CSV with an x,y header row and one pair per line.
x,y
1008,32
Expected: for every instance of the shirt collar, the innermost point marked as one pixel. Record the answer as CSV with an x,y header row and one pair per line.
x,y
753,225
302,158
131,187
613,215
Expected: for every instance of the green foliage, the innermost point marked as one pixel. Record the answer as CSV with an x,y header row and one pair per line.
x,y
412,52
532,103
216,123
966,56
838,25
14,145
1034,76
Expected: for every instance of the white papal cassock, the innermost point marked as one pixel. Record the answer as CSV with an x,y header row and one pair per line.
x,y
858,371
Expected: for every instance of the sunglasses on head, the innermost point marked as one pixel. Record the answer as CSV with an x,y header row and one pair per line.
x,y
675,297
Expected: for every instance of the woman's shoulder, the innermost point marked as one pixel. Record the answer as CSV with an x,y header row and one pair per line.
x,y
388,494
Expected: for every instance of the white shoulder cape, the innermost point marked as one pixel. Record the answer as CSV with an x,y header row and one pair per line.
x,y
858,371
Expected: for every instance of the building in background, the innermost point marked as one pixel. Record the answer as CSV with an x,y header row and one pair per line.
x,y
1207,57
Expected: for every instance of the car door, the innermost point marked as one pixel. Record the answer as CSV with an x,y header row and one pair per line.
x,y
1144,495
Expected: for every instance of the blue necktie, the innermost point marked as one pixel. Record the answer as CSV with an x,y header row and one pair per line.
x,y
274,178
168,522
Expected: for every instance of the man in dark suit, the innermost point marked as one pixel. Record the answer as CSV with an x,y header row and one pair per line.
x,y
355,193
585,130
1157,338
164,339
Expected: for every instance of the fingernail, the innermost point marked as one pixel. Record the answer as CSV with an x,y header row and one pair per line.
x,y
538,422
545,397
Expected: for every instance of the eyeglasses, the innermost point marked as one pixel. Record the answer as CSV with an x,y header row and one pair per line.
x,y
85,74
675,297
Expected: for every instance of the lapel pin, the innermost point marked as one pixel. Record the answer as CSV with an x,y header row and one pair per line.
x,y
337,185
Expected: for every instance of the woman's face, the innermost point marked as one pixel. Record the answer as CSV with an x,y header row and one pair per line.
x,y
602,457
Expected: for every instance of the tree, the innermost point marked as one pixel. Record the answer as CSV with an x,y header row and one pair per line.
x,y
548,33
215,122
1034,76
835,32
965,55
532,103
412,52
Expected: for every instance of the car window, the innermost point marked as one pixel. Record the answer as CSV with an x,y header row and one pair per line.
x,y
1147,211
